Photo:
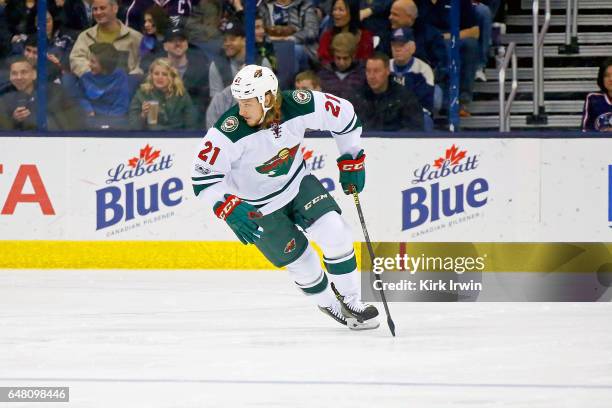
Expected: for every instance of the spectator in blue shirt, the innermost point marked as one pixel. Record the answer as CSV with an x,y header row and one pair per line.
x,y
429,42
104,89
597,113
409,71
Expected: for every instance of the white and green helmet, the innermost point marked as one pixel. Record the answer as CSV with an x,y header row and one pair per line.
x,y
254,81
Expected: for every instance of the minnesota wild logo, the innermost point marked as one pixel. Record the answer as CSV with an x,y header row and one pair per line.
x,y
302,97
280,164
230,124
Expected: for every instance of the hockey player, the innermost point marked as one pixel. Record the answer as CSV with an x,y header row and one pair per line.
x,y
250,170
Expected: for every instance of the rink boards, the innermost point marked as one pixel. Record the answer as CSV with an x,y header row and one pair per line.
x,y
128,203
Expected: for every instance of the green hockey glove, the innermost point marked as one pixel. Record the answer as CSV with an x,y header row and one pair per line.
x,y
352,172
239,215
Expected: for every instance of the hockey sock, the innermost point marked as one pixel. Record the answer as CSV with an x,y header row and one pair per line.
x,y
335,238
308,276
344,274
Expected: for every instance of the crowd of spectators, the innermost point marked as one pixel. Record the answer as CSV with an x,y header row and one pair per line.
x,y
115,63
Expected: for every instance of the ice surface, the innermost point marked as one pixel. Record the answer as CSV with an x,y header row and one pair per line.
x,y
250,339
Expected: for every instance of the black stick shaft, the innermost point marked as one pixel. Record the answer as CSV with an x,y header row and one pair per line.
x,y
371,252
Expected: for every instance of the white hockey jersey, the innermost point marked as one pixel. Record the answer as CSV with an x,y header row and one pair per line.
x,y
264,167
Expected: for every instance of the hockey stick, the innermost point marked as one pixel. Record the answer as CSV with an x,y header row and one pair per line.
x,y
371,252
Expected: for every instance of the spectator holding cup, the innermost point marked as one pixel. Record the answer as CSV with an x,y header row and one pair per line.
x,y
161,102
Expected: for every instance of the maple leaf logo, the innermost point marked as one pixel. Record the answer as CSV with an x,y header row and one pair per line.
x,y
453,155
306,153
147,155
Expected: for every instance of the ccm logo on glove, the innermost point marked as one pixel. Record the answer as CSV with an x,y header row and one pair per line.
x,y
224,210
352,165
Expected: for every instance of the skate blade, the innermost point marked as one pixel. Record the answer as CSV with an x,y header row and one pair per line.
x,y
355,324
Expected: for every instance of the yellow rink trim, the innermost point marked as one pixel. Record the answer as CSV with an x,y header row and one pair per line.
x,y
500,256
132,255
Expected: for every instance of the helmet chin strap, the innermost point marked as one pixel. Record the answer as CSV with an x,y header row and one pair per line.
x,y
265,110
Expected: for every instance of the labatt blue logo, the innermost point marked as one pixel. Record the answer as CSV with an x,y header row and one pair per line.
x,y
431,203
110,209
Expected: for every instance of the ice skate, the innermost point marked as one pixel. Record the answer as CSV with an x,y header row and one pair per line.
x,y
336,312
363,314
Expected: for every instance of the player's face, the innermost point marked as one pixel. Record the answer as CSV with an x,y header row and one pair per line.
x,y
399,16
94,65
608,79
343,60
402,51
377,75
260,31
250,110
149,25
103,11
22,76
160,77
341,14
233,45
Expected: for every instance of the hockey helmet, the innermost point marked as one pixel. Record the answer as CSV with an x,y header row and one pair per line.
x,y
254,81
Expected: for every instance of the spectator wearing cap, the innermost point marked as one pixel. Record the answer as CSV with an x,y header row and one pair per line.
x,y
437,13
105,96
296,21
409,71
230,59
193,67
18,106
344,75
385,105
108,29
307,80
153,29
429,42
345,16
597,113
175,107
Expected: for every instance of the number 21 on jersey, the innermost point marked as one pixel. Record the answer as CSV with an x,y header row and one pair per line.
x,y
203,155
331,107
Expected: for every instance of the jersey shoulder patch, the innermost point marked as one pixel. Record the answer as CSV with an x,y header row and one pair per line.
x,y
297,103
233,126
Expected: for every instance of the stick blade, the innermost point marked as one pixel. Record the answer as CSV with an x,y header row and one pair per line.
x,y
391,325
